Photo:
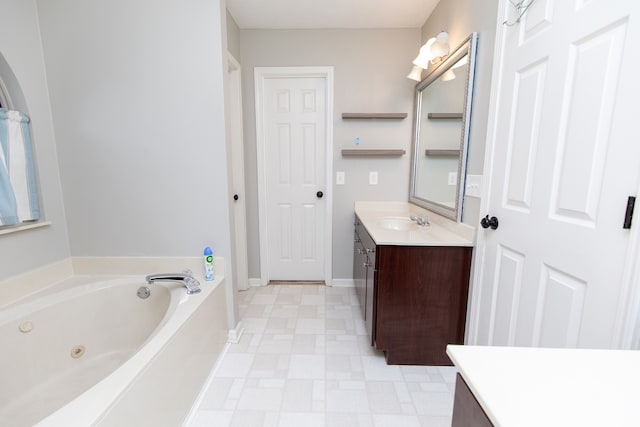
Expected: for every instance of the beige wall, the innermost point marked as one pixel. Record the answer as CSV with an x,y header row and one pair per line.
x,y
460,18
125,155
21,47
233,37
370,68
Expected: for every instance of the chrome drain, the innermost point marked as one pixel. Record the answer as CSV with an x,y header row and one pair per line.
x,y
144,292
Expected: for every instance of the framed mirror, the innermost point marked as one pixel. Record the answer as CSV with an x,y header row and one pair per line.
x,y
441,133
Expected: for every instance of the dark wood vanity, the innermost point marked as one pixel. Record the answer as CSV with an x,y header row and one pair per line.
x,y
414,298
467,412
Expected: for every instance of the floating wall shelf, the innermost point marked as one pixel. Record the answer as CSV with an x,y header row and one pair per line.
x,y
435,152
444,116
380,152
374,116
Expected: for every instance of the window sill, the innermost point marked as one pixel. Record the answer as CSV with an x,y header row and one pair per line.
x,y
38,224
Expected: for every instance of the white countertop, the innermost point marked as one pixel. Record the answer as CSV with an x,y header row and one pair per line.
x,y
441,231
552,387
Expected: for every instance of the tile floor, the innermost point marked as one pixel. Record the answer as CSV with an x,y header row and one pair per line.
x,y
304,360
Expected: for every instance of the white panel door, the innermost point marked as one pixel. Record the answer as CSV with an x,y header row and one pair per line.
x,y
294,151
565,157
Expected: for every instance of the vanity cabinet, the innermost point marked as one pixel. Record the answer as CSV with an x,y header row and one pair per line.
x,y
467,412
414,298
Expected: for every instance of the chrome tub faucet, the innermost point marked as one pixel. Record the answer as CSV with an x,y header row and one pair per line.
x,y
186,278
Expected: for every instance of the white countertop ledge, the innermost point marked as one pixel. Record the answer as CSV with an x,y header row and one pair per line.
x,y
441,231
552,387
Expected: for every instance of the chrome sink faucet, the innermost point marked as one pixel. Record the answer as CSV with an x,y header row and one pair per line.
x,y
186,278
419,219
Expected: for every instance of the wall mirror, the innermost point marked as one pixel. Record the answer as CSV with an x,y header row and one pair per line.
x,y
441,133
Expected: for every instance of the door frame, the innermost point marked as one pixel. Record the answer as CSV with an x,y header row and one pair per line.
x,y
627,326
628,322
260,75
481,244
234,93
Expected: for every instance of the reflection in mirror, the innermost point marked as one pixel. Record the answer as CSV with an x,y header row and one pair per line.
x,y
441,131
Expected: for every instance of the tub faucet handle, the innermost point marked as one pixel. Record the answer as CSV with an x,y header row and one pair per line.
x,y
419,219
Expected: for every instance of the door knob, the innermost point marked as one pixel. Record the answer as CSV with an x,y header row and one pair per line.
x,y
235,197
319,194
487,222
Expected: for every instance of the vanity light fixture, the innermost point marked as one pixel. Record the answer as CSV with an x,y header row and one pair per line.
x,y
448,75
463,61
431,52
416,73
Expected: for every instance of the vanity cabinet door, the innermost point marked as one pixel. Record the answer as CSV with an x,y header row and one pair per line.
x,y
421,302
371,277
364,275
359,270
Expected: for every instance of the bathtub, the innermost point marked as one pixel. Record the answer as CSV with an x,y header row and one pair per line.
x,y
90,351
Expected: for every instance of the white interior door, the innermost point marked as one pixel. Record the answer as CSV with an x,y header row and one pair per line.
x,y
234,114
564,155
293,135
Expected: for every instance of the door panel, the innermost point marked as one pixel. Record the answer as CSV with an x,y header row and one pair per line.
x,y
523,142
509,272
562,308
583,136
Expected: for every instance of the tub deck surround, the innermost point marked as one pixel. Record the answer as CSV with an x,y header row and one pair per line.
x,y
78,270
441,231
32,282
518,386
163,366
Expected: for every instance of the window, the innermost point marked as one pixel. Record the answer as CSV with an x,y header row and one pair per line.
x,y
19,197
4,96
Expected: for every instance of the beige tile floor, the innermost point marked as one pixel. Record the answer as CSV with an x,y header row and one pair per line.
x,y
304,360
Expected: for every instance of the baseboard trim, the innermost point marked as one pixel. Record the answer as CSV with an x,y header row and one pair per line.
x,y
339,283
235,334
343,283
256,282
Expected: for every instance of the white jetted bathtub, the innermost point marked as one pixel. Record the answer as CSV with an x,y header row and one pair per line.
x,y
90,351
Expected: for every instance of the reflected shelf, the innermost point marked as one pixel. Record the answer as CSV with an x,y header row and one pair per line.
x,y
437,152
444,116
380,152
374,116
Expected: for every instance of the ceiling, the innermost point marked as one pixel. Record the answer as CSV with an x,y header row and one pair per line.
x,y
315,14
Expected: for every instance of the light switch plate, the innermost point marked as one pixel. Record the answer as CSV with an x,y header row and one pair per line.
x,y
373,178
473,186
452,178
339,178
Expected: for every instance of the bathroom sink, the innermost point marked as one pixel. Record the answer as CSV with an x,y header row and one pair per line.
x,y
398,223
